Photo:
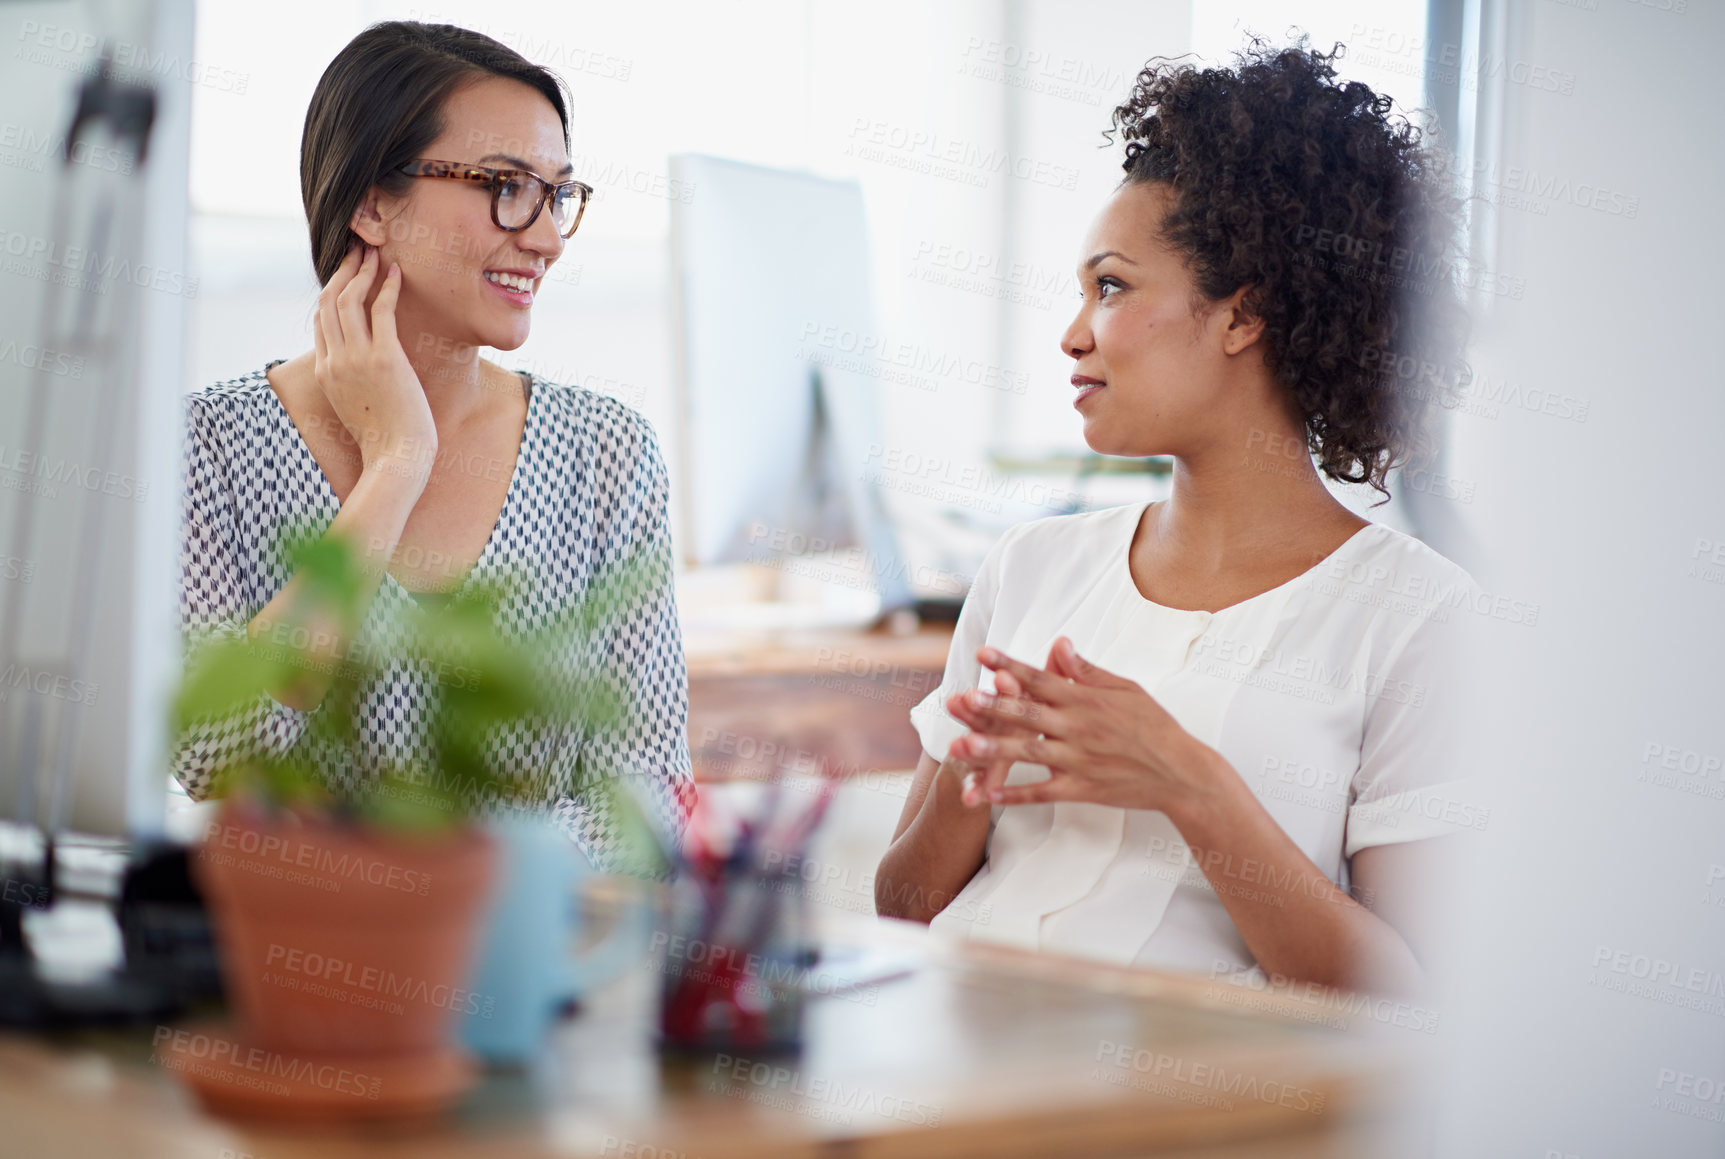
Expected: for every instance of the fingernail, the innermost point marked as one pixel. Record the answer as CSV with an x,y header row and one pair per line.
x,y
981,745
982,698
996,796
990,656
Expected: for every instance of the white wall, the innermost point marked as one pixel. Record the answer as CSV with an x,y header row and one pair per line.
x,y
1599,521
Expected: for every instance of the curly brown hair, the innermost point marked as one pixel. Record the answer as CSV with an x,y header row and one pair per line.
x,y
1338,218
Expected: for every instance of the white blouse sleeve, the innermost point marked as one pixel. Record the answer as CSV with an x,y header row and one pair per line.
x,y
937,727
1412,781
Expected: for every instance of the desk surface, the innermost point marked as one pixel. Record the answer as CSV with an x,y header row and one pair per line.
x,y
775,703
979,1052
819,653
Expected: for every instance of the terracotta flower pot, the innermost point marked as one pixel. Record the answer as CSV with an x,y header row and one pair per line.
x,y
337,941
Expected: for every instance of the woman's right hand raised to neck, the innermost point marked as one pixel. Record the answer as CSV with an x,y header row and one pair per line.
x,y
364,374
367,422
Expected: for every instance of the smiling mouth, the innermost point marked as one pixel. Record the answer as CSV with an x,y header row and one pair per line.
x,y
1086,390
518,288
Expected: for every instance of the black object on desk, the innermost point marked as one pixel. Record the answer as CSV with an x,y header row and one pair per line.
x,y
170,954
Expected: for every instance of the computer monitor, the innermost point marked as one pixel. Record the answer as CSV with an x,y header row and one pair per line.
x,y
93,293
777,377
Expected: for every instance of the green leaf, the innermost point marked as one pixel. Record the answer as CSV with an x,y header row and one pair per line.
x,y
483,683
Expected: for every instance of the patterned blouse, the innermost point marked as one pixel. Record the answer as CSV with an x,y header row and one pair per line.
x,y
588,493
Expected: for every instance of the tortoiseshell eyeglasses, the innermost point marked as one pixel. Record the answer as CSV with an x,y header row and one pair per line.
x,y
517,195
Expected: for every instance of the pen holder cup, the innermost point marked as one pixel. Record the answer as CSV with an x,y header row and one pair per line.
x,y
734,949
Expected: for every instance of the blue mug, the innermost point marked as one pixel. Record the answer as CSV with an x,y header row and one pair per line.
x,y
528,969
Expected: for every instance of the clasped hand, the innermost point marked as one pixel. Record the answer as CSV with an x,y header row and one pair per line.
x,y
1103,738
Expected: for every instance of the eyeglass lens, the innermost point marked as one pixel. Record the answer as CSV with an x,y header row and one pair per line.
x,y
518,195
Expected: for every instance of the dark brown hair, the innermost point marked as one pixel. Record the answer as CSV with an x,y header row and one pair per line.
x,y
378,104
1339,219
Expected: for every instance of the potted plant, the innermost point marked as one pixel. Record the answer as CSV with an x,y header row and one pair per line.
x,y
347,918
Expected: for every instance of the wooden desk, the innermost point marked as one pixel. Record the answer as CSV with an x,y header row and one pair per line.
x,y
981,1052
762,705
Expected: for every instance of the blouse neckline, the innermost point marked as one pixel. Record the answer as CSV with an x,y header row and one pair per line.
x,y
510,497
1123,568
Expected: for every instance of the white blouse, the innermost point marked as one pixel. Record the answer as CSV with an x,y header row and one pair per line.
x,y
1335,696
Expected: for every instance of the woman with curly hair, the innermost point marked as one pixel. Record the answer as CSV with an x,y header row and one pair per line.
x,y
1247,713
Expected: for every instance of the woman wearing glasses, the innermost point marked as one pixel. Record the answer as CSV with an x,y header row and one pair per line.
x,y
436,179
1197,734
